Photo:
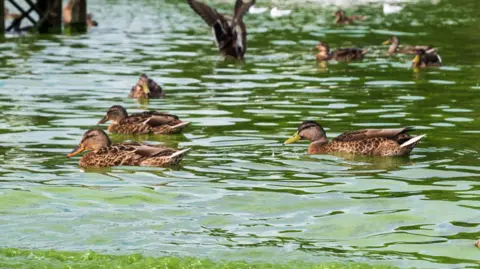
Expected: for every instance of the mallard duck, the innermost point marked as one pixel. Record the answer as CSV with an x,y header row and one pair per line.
x,y
340,17
104,153
348,54
67,15
426,58
146,88
229,32
394,43
373,142
142,123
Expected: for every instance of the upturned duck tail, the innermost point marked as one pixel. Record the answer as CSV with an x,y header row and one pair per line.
x,y
413,141
178,156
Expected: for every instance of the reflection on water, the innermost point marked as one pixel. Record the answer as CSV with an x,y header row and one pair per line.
x,y
241,193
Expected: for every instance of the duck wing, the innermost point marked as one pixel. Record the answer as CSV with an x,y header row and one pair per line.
x,y
152,118
149,151
219,23
241,7
395,134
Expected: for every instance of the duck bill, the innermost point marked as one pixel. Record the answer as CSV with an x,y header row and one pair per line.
x,y
388,42
145,88
103,120
293,139
78,149
416,60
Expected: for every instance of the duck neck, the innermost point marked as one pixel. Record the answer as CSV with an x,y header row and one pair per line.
x,y
317,146
393,47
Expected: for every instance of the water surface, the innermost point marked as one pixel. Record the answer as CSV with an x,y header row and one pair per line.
x,y
240,194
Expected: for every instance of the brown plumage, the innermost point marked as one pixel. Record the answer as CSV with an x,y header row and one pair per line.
x,y
372,142
347,54
67,14
426,58
395,47
340,18
103,153
142,123
230,32
146,88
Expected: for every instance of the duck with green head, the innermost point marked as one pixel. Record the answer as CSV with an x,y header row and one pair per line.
x,y
101,152
426,58
370,142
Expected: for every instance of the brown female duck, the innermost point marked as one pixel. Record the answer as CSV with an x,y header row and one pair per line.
x,y
67,14
426,58
142,123
229,32
341,18
394,43
146,88
347,54
372,142
104,153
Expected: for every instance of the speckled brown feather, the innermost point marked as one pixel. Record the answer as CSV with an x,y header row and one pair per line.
x,y
348,54
134,154
148,122
373,142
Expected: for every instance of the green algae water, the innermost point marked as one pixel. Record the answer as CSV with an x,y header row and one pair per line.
x,y
240,199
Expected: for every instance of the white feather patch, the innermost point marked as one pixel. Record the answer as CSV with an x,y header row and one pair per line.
x,y
412,141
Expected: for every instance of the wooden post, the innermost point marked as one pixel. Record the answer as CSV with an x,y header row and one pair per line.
x,y
2,17
78,10
51,20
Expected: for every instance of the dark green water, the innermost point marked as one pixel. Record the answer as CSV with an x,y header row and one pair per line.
x,y
240,194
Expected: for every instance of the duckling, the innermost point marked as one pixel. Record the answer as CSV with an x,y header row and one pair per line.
x,y
142,123
347,54
230,32
67,15
340,17
395,43
372,142
426,58
104,153
146,88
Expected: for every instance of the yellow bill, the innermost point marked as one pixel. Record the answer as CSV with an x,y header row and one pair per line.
x,y
78,149
293,139
145,88
416,59
388,42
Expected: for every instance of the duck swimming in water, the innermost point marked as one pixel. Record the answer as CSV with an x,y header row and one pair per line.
x,y
103,153
347,54
372,142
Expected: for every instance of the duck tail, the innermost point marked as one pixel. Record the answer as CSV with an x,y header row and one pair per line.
x,y
413,141
177,156
180,126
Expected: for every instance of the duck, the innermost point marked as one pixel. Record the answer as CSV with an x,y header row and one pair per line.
x,y
347,54
340,17
146,88
67,15
370,142
426,58
230,32
394,43
102,153
147,122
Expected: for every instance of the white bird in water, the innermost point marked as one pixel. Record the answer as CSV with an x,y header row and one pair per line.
x,y
275,12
